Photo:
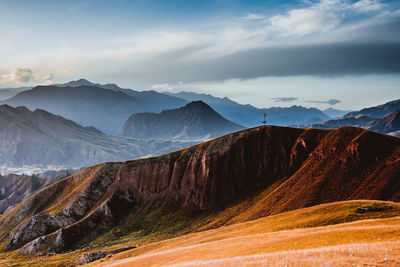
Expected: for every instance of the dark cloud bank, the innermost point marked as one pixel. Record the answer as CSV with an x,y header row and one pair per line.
x,y
318,60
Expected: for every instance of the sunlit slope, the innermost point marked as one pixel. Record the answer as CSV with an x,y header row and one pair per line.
x,y
326,226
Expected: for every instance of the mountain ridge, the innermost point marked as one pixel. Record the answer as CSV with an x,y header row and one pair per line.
x,y
42,138
262,164
250,116
379,111
389,124
111,108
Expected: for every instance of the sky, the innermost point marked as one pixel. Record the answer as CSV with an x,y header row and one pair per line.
x,y
328,53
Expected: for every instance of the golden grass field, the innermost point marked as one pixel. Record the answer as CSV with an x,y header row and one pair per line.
x,y
332,234
369,242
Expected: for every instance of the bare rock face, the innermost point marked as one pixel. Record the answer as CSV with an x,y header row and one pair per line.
x,y
94,256
311,166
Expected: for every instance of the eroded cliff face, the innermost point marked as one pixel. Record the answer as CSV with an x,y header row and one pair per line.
x,y
204,177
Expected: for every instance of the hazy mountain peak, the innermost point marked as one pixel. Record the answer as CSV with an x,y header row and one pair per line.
x,y
199,105
196,120
84,82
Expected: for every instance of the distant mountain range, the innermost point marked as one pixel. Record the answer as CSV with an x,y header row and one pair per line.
x,y
104,109
369,118
335,113
195,121
39,137
151,101
264,171
6,93
389,124
108,106
377,111
250,116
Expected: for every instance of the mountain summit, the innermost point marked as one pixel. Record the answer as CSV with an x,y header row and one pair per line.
x,y
196,120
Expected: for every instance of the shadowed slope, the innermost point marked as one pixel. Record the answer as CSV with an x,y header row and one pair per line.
x,y
273,169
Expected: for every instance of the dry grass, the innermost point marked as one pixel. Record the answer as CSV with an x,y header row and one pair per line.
x,y
366,254
255,242
296,230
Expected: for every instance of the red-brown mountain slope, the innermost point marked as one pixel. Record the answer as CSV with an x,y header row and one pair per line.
x,y
277,168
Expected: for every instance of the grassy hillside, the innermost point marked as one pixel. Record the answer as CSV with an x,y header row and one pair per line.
x,y
322,230
332,224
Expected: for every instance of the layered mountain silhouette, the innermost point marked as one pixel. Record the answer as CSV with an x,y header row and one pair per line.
x,y
377,111
6,93
39,137
387,125
335,113
195,121
108,106
104,109
332,124
151,101
275,169
250,116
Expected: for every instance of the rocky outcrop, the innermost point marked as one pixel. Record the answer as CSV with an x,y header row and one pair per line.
x,y
94,256
305,167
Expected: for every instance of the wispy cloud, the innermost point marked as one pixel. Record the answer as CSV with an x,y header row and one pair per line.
x,y
284,99
330,101
367,5
254,16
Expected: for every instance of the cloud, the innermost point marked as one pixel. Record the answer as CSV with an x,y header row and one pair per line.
x,y
48,77
367,5
254,16
330,101
319,17
252,45
162,87
284,99
18,76
166,86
